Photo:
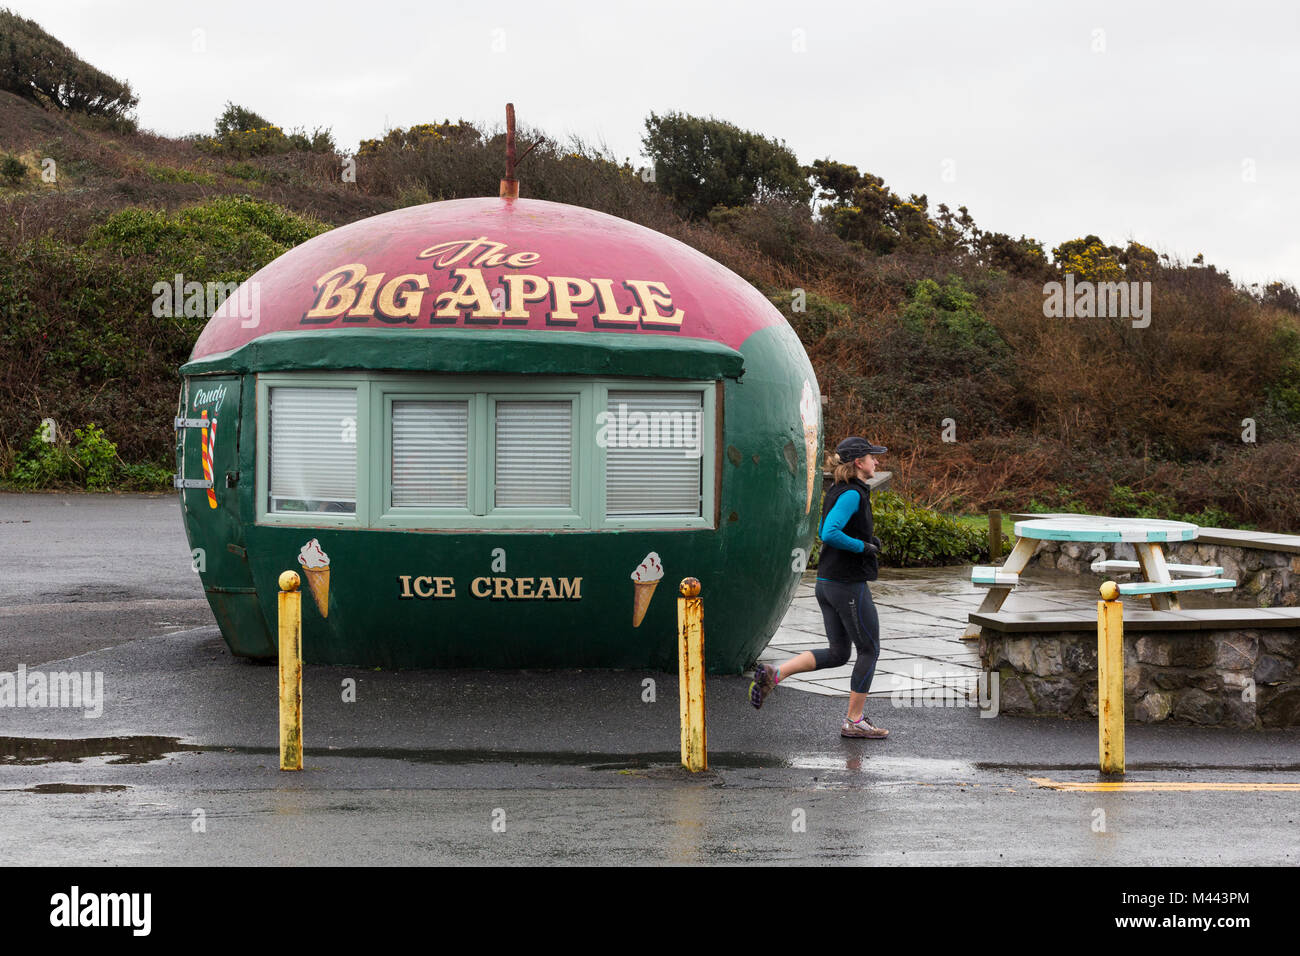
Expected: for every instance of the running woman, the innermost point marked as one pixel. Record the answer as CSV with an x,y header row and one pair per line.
x,y
848,562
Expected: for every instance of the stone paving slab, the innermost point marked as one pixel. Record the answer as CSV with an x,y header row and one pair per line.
x,y
908,604
921,644
918,619
903,617
816,687
927,669
803,615
795,638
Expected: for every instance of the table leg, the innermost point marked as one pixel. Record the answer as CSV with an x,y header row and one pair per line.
x,y
1156,570
1016,561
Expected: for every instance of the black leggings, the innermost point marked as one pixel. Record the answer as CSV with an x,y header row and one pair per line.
x,y
850,616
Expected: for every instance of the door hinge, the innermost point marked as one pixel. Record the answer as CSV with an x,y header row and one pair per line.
x,y
179,482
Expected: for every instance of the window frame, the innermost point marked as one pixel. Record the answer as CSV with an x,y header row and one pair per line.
x,y
708,462
311,519
384,513
376,392
580,475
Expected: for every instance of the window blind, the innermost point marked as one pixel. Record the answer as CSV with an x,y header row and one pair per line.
x,y
653,448
313,435
430,454
534,454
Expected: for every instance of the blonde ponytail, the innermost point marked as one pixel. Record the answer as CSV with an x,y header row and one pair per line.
x,y
841,471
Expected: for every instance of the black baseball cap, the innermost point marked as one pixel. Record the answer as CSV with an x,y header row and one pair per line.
x,y
853,448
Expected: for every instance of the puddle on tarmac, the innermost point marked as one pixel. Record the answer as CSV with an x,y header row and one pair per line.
x,y
70,788
35,751
41,750
893,766
592,761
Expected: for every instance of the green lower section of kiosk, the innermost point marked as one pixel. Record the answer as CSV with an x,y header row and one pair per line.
x,y
242,622
402,599
409,599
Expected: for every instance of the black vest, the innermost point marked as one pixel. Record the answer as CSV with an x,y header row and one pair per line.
x,y
835,563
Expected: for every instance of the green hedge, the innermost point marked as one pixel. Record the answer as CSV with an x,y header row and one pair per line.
x,y
89,461
80,338
912,535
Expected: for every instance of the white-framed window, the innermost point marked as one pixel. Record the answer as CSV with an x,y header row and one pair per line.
x,y
312,435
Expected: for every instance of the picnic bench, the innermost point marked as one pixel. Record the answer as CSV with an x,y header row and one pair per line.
x,y
1162,582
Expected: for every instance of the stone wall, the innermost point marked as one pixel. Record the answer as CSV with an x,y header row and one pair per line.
x,y
1264,577
1245,679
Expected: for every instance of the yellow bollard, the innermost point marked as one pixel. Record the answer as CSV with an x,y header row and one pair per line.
x,y
290,672
1110,679
690,674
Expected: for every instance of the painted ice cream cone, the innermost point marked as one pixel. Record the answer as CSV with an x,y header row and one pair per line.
x,y
645,579
316,567
318,579
808,413
643,591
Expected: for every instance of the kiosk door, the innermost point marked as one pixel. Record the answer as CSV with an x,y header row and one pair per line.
x,y
208,480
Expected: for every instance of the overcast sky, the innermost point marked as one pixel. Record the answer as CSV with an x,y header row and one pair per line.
x,y
1174,124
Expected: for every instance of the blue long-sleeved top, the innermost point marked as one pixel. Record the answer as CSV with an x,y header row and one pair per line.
x,y
832,532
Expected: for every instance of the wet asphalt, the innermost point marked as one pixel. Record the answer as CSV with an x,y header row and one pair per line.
x,y
532,767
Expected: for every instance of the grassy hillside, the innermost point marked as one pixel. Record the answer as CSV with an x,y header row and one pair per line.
x,y
927,334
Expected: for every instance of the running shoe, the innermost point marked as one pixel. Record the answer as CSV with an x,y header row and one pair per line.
x,y
764,683
862,728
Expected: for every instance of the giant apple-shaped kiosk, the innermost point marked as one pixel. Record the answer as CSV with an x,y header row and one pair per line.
x,y
498,433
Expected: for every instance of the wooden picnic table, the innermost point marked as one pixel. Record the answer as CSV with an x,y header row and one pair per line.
x,y
1147,535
